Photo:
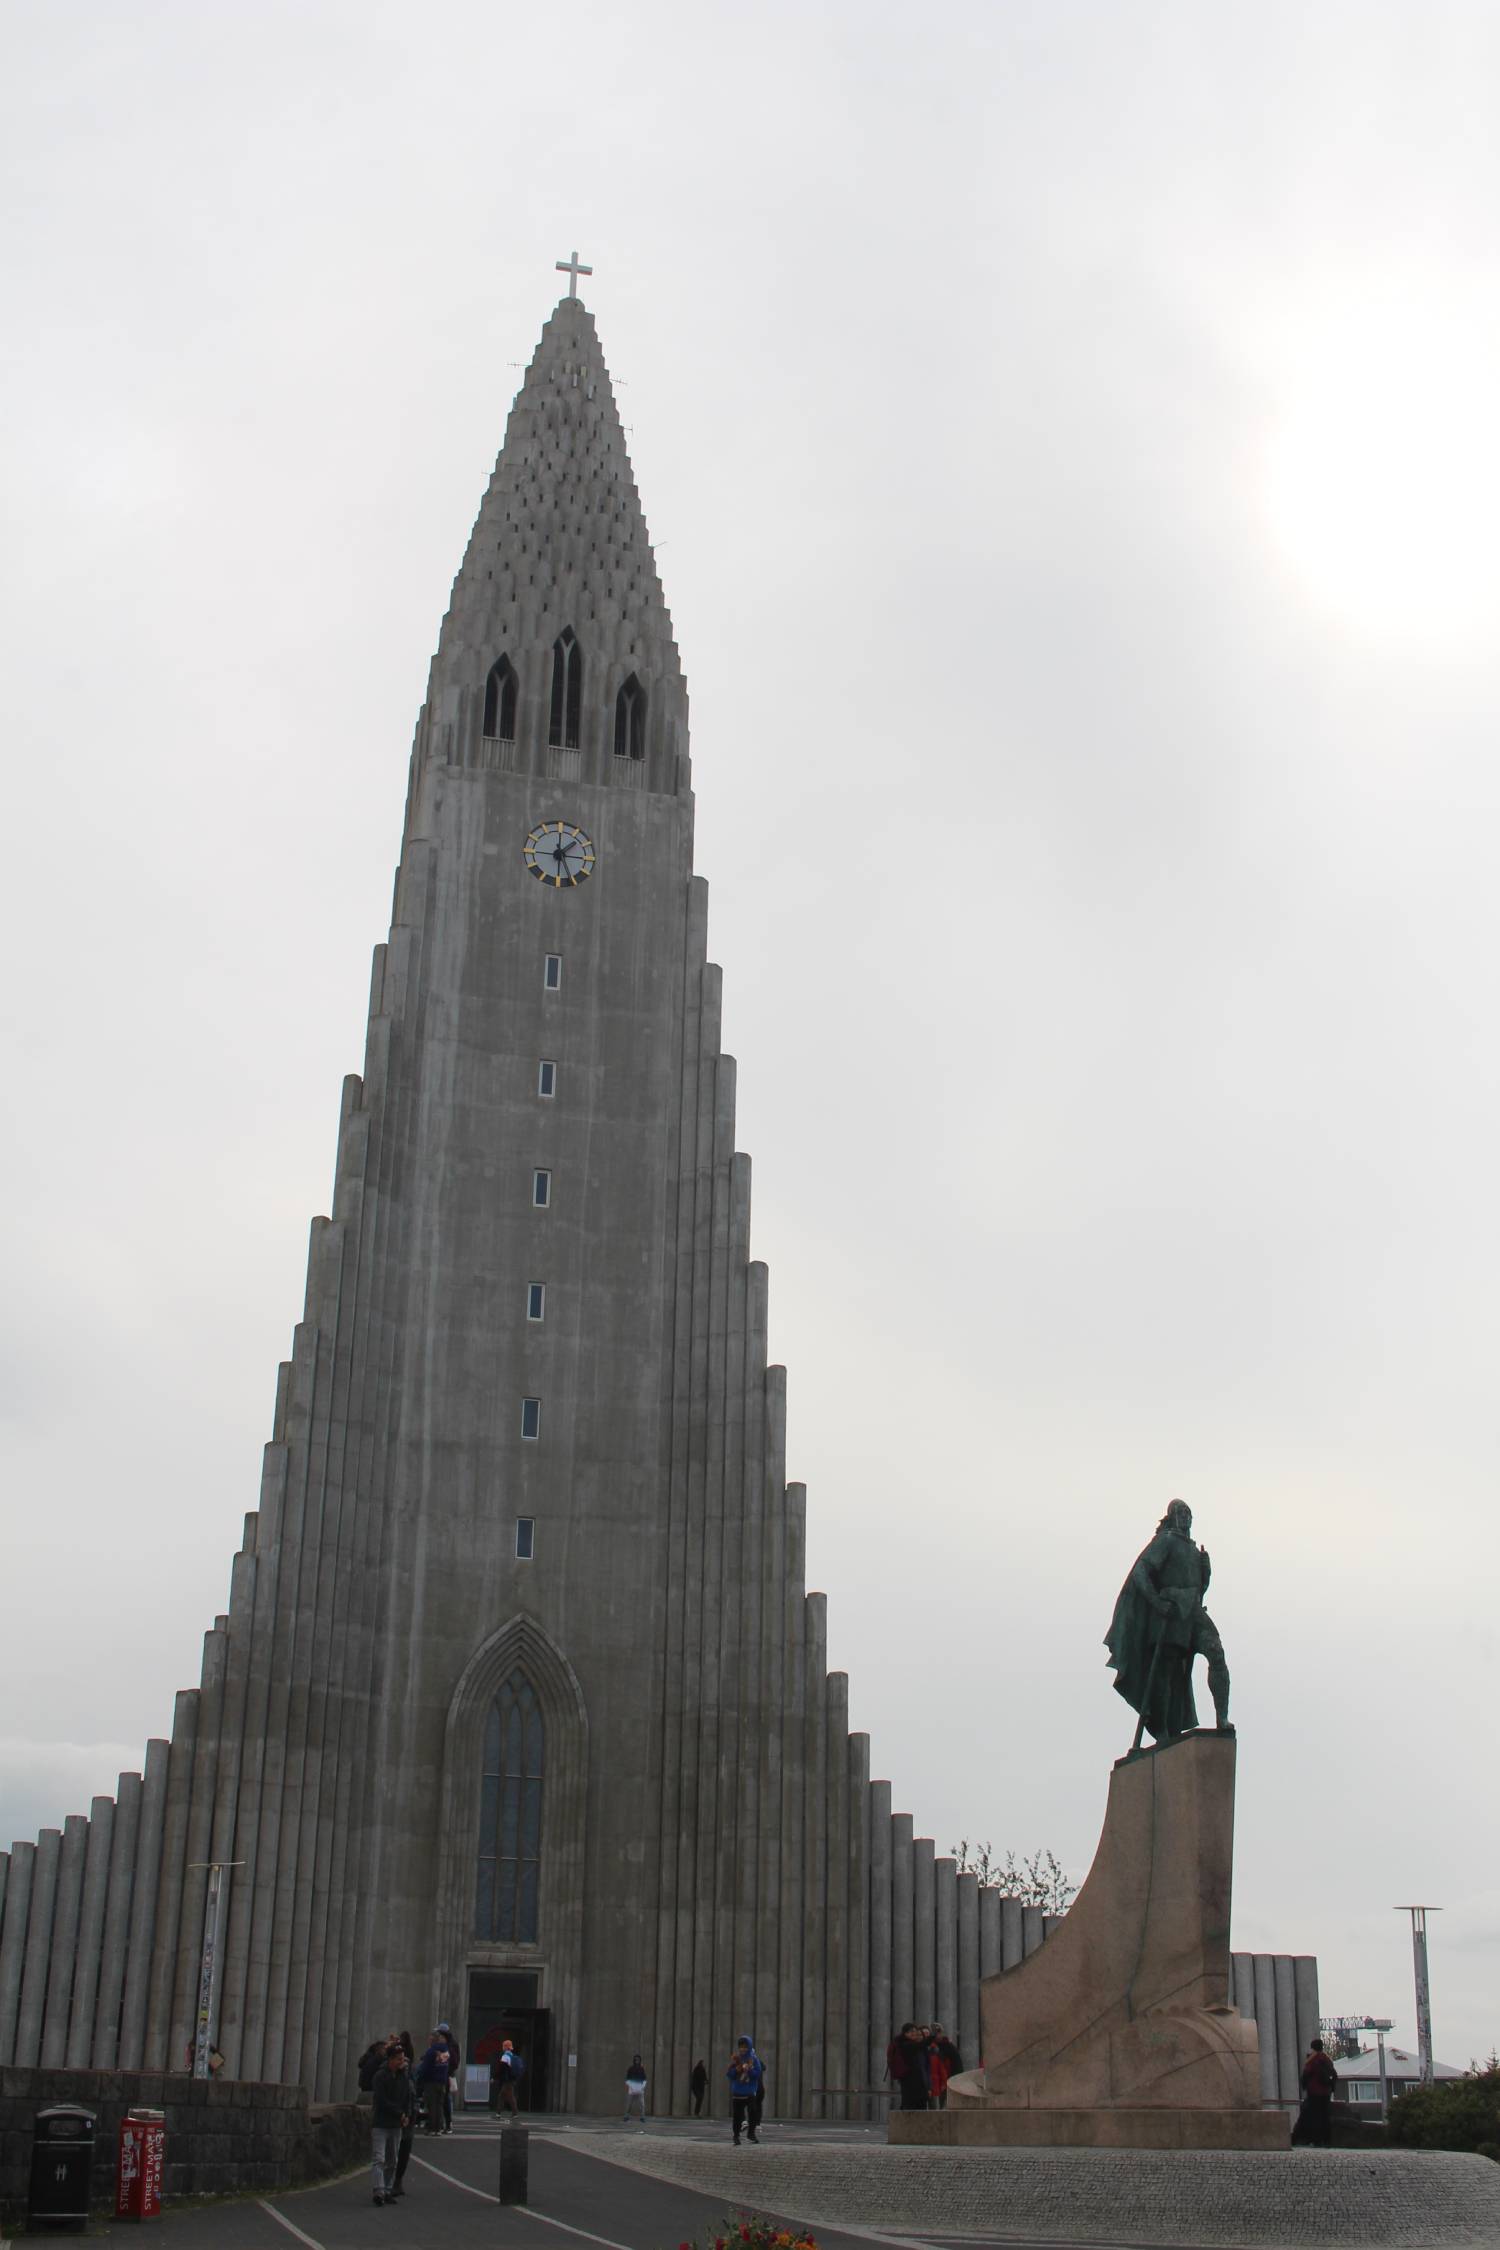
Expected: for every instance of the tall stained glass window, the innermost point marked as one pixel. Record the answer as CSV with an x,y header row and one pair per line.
x,y
510,1817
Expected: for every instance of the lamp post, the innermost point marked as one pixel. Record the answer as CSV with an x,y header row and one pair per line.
x,y
1419,1916
1380,2025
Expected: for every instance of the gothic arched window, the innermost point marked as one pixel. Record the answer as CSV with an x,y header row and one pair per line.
x,y
567,691
500,701
630,720
510,1817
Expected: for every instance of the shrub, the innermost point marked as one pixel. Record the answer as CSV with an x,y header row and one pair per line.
x,y
1461,2114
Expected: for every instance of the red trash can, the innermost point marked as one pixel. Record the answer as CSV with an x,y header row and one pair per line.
x,y
138,2168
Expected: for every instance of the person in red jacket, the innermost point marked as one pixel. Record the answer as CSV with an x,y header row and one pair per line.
x,y
1314,2127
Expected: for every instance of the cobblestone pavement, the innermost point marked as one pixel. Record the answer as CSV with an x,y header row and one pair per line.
x,y
1180,2200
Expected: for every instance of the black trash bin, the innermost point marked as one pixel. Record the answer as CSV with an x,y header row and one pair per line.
x,y
62,2165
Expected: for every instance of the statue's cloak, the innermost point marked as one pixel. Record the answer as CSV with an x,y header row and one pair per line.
x,y
1159,1687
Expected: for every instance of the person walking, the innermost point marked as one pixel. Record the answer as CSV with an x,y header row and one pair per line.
x,y
432,2080
505,2071
746,2078
906,2067
455,2064
391,2100
698,2086
635,2090
1314,2127
408,2130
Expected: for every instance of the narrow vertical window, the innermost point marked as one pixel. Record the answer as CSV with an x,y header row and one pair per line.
x,y
567,691
500,701
552,972
541,1189
531,1417
525,1538
507,1892
536,1300
630,720
546,1080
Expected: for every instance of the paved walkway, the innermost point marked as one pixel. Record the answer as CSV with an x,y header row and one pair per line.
x,y
618,2189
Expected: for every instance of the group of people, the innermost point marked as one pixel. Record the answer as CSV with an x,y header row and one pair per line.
x,y
919,2062
747,2089
406,2095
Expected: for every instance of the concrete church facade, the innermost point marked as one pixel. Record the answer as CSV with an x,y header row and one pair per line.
x,y
520,1712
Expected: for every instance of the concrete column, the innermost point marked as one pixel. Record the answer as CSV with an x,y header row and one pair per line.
x,y
880,1931
767,1509
945,1931
815,1862
758,1942
1265,2024
198,1841
79,2051
13,1942
142,1938
857,2012
116,1921
1012,1945
836,1846
62,1968
168,1936
1288,2060
923,1931
793,1805
1031,1929
991,1948
1242,1984
247,1951
38,1948
1305,1995
966,2034
902,1950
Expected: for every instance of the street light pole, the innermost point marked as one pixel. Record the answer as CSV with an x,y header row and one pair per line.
x,y
1419,1916
1380,2025
213,1932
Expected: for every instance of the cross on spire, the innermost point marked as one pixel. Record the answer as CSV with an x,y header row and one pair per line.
x,y
572,269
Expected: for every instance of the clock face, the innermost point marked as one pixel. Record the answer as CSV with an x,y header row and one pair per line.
x,y
559,853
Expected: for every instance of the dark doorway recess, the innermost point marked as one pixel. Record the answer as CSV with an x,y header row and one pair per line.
x,y
502,2005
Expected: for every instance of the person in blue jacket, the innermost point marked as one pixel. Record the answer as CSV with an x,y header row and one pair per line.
x,y
747,2077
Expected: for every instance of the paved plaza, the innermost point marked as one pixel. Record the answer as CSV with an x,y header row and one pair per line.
x,y
624,2189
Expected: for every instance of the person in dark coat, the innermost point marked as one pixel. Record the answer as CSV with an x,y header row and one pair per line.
x,y
392,2099
455,2064
1314,2127
408,2130
906,2066
432,2080
698,2086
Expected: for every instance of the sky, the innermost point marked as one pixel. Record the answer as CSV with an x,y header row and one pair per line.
x,y
1067,432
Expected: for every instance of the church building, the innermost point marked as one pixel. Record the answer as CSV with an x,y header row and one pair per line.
x,y
519,1712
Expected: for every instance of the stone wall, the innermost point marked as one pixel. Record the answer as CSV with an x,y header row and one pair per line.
x,y
224,2137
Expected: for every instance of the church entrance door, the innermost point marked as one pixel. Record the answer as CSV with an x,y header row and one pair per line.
x,y
502,2005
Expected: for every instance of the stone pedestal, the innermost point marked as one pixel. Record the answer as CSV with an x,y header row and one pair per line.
x,y
1119,2032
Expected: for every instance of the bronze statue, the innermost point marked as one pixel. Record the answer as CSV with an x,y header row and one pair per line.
x,y
1160,1625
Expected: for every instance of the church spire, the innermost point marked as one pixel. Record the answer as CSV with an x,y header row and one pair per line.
x,y
558,629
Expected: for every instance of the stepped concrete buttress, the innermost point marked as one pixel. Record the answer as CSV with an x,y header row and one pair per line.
x,y
1119,2031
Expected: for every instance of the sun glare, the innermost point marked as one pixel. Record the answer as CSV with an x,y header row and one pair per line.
x,y
1382,468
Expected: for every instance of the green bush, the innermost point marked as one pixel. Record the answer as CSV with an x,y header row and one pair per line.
x,y
1458,2113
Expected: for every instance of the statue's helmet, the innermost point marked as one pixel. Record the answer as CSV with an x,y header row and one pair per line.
x,y
1179,1517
